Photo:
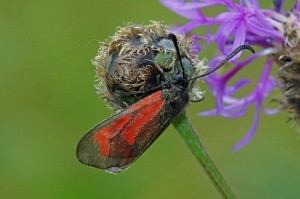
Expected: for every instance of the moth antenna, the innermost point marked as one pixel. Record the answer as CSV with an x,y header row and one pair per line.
x,y
236,51
173,37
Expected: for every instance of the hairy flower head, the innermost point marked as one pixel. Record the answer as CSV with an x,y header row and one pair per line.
x,y
137,59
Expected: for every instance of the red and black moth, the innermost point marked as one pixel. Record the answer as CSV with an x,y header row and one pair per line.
x,y
119,140
147,101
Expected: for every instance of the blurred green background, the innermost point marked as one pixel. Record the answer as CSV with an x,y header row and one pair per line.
x,y
48,102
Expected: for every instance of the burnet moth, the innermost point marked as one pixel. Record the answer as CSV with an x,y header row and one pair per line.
x,y
147,75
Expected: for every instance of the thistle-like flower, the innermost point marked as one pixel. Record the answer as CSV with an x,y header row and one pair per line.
x,y
137,59
275,33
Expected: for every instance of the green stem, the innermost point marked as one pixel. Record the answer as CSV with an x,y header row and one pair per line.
x,y
184,127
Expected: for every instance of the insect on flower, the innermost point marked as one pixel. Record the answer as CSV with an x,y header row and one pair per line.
x,y
148,75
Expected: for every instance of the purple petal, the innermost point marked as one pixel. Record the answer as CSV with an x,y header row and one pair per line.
x,y
187,27
223,34
269,86
225,17
250,133
278,5
262,20
252,4
297,7
187,10
196,48
262,32
212,112
231,90
271,111
239,39
259,98
235,110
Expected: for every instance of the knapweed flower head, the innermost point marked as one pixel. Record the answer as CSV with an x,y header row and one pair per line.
x,y
275,33
138,59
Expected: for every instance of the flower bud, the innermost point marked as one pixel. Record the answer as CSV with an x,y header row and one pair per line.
x,y
137,60
288,58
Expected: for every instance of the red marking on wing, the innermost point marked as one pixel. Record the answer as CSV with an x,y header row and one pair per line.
x,y
103,135
130,124
145,101
149,109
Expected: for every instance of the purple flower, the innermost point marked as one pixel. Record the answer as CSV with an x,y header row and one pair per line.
x,y
242,23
